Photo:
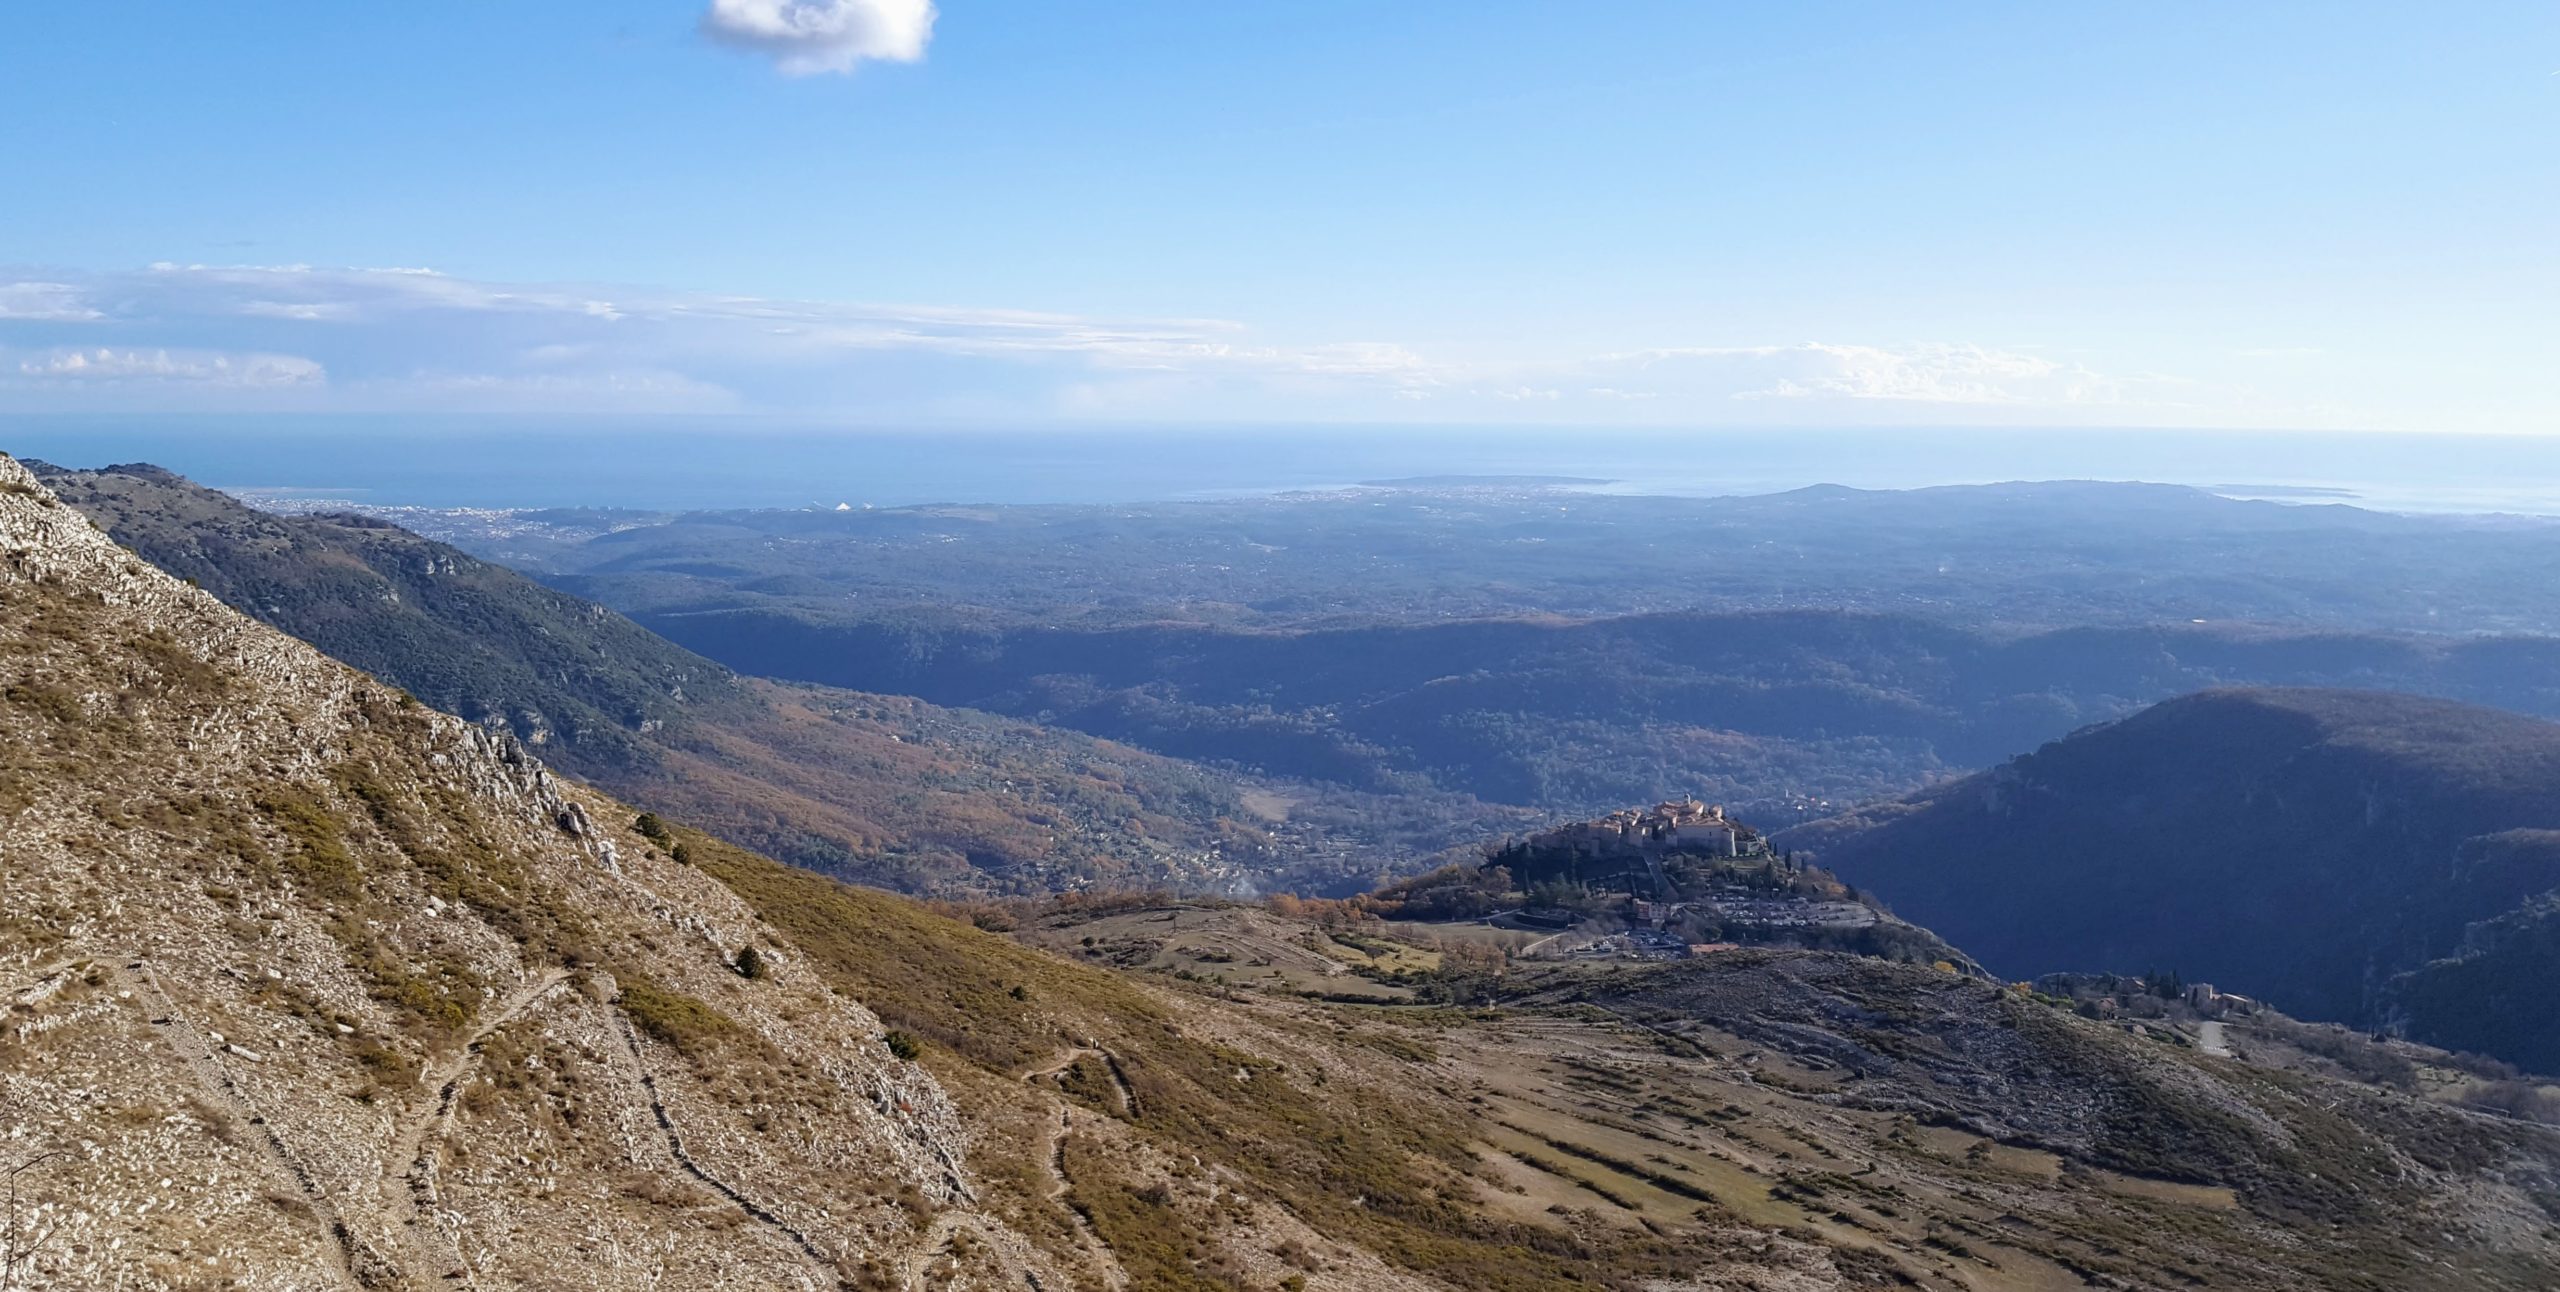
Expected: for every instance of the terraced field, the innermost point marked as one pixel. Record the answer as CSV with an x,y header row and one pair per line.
x,y
1920,1128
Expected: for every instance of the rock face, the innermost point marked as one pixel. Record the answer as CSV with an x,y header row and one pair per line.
x,y
310,986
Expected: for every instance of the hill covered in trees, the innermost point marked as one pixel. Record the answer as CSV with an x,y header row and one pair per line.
x,y
1774,713
2378,859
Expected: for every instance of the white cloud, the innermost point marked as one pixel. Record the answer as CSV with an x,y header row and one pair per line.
x,y
48,302
369,340
107,364
585,392
308,311
1925,373
805,37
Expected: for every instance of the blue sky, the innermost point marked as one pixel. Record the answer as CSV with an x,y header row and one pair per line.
x,y
1627,214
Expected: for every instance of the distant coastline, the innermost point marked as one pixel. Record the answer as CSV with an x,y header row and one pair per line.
x,y
710,464
1484,482
2281,491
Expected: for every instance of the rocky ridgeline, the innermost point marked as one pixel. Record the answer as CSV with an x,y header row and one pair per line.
x,y
309,986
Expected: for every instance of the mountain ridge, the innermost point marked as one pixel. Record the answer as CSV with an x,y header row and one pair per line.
x,y
1768,710
344,889
2309,846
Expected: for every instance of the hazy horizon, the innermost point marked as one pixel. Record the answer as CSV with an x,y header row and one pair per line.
x,y
679,463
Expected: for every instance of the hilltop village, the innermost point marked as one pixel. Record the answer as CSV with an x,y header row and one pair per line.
x,y
1682,879
1645,835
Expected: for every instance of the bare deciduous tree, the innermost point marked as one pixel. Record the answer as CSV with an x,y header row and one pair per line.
x,y
23,1238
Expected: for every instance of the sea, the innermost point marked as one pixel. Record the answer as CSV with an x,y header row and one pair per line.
x,y
684,464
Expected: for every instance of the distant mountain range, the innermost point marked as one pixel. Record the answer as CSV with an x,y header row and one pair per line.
x,y
2377,859
2005,559
1774,713
1392,738
1572,652
2425,916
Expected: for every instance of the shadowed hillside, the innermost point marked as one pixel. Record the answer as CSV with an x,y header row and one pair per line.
x,y
2359,856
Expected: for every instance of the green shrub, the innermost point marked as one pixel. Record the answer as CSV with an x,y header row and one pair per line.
x,y
689,1025
320,853
904,1046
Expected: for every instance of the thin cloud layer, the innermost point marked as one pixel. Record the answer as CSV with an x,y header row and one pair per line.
x,y
43,301
404,340
106,365
808,37
1931,373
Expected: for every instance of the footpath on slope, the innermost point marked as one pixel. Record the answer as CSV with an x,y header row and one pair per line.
x,y
828,1270
1054,1155
217,1086
412,1157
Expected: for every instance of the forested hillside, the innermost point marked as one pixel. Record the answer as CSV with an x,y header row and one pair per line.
x,y
1772,712
2377,859
1568,651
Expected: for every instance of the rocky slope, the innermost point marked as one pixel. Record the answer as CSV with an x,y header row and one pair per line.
x,y
312,986
2350,855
